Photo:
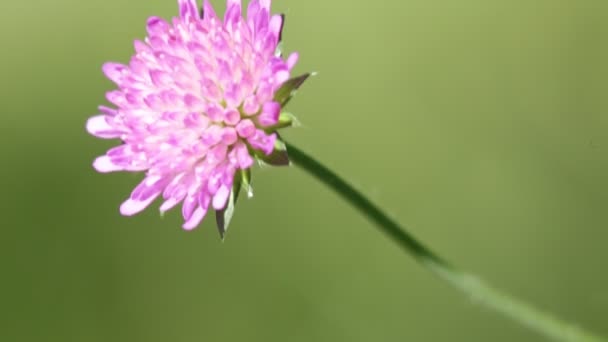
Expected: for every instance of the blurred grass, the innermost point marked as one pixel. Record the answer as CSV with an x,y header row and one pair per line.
x,y
480,125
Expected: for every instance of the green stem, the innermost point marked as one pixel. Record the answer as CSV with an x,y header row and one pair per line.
x,y
515,309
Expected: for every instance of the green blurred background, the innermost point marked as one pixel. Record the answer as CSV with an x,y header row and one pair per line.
x,y
482,125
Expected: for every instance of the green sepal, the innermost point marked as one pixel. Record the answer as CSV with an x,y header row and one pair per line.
x,y
279,50
286,119
278,157
224,216
289,88
246,182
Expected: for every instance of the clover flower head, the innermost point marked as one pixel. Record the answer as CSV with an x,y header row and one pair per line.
x,y
198,103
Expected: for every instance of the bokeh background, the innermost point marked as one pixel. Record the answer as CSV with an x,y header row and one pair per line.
x,y
481,125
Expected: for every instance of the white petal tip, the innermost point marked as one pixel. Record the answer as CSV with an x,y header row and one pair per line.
x,y
292,60
103,164
188,228
195,219
167,205
131,207
99,127
221,198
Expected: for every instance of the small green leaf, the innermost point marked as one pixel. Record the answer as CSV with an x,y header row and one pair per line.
x,y
289,88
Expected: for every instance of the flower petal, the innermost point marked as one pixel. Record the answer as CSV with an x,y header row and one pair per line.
x,y
104,164
115,72
252,12
157,26
243,158
189,206
99,127
265,4
209,12
195,219
233,13
270,114
263,142
133,206
188,9
292,60
276,26
221,197
168,205
245,128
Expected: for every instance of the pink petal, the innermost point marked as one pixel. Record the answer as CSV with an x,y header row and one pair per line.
x,y
221,197
194,103
212,135
132,206
292,60
160,78
197,216
188,206
149,187
245,128
215,112
115,72
276,25
104,164
232,117
281,76
270,114
117,97
209,12
157,26
99,127
265,4
188,9
233,12
204,198
251,105
243,157
252,12
232,95
263,142
141,47
168,205
229,136
217,154
108,111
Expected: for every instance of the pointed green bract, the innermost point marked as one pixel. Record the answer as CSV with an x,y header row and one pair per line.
x,y
279,50
288,89
224,216
278,157
287,119
246,182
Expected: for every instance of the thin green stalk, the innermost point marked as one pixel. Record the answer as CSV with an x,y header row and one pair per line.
x,y
517,310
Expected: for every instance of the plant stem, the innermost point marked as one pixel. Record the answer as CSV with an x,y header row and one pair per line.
x,y
481,293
